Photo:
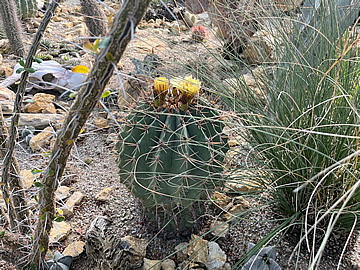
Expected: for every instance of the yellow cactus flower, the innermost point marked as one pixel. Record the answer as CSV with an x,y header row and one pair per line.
x,y
191,86
161,84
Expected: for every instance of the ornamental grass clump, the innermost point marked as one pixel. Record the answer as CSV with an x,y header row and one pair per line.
x,y
171,152
307,133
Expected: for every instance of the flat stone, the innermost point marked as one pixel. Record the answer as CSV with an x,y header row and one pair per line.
x,y
168,264
181,251
216,258
220,199
74,199
244,181
39,141
27,178
38,120
42,103
241,206
7,98
59,232
198,249
62,193
101,122
74,249
138,245
219,228
151,264
104,195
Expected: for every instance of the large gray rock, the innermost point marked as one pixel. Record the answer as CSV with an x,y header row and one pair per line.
x,y
107,251
38,120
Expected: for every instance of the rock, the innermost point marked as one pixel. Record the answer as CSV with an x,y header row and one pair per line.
x,y
216,258
243,181
235,142
5,71
138,245
104,195
263,259
74,199
176,29
133,89
237,209
181,251
189,19
74,249
108,251
226,266
257,50
62,193
198,249
101,122
183,27
7,98
39,141
168,264
197,6
58,232
152,264
6,93
5,47
27,178
39,121
42,103
219,228
220,199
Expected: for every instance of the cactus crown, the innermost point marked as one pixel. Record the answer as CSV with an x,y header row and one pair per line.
x,y
171,152
175,94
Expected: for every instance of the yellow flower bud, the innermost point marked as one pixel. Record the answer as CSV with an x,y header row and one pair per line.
x,y
161,84
191,86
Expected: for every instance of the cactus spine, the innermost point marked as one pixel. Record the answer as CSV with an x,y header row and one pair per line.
x,y
170,158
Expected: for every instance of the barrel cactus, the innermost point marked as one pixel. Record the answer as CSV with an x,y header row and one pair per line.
x,y
171,153
27,8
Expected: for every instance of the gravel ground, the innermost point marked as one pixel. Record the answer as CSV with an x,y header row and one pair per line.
x,y
95,146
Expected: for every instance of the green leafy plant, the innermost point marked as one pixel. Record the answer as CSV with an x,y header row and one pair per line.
x,y
171,153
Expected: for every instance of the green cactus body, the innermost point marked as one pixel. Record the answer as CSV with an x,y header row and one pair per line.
x,y
170,160
27,8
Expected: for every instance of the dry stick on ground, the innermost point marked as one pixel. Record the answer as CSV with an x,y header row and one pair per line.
x,y
15,186
119,36
12,26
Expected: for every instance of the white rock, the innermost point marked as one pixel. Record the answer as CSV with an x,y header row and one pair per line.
x,y
216,258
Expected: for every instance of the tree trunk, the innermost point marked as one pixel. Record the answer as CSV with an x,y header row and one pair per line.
x,y
12,26
119,36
